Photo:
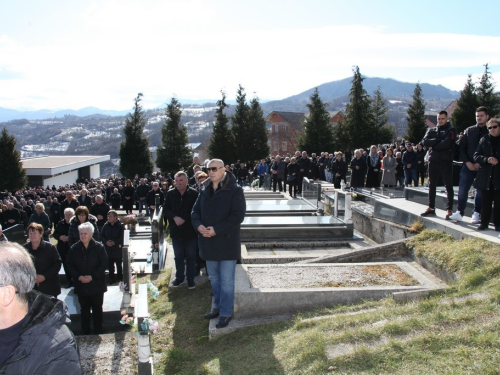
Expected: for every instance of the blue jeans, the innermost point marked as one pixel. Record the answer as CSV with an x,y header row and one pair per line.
x,y
143,203
467,178
411,174
221,274
185,249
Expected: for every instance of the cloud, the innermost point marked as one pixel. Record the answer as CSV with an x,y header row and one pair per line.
x,y
121,48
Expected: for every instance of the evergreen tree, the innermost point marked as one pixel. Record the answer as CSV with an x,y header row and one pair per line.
x,y
135,157
240,127
221,144
13,175
174,153
359,120
340,135
317,134
465,114
257,128
384,133
416,117
486,95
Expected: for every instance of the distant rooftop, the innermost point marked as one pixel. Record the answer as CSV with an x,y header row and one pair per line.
x,y
51,165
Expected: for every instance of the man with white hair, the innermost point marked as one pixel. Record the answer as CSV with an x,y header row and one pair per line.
x,y
34,337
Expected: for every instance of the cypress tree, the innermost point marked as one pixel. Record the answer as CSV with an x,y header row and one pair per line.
x,y
465,114
486,95
221,144
240,127
13,175
416,117
317,134
257,128
174,153
383,132
359,119
135,157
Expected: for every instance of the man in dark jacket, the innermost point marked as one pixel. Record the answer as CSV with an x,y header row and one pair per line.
x,y
151,198
61,235
278,173
217,216
304,164
410,162
440,142
87,262
70,201
468,145
177,209
141,193
112,239
35,337
11,216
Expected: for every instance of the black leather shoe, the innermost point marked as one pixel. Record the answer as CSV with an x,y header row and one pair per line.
x,y
223,321
482,227
212,314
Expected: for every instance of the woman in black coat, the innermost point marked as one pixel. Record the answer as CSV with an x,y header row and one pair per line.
x,y
87,262
488,178
373,165
128,197
292,171
338,169
358,170
47,261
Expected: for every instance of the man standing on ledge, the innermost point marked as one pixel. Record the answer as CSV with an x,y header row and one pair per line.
x,y
439,141
217,216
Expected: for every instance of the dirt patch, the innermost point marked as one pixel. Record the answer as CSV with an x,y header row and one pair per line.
x,y
330,276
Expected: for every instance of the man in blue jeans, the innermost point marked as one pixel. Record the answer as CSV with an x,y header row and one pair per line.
x,y
410,162
217,216
468,145
177,210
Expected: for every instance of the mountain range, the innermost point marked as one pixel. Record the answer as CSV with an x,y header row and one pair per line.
x,y
331,91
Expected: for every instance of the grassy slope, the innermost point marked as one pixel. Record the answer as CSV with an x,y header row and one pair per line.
x,y
456,332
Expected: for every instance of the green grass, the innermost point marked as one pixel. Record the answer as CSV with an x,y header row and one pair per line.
x,y
443,334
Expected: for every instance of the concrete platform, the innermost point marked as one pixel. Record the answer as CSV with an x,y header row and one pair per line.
x,y
112,300
258,209
263,301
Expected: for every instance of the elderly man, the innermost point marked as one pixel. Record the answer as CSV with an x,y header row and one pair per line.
x,y
11,216
70,201
100,210
61,235
177,209
151,198
35,337
41,217
278,173
112,238
141,192
217,216
87,262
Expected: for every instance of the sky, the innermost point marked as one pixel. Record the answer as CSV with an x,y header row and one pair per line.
x,y
68,54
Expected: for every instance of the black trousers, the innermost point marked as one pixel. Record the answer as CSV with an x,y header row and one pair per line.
x,y
445,168
293,185
489,197
111,269
279,181
93,302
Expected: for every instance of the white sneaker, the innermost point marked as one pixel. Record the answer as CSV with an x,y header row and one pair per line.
x,y
456,216
476,218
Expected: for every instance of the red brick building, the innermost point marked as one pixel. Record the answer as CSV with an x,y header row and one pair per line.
x,y
284,129
336,117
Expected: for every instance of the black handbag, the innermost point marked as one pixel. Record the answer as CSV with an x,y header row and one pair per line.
x,y
290,178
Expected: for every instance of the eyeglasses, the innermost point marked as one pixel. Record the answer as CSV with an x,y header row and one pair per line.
x,y
214,169
492,127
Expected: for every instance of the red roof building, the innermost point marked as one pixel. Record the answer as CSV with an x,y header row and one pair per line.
x,y
284,129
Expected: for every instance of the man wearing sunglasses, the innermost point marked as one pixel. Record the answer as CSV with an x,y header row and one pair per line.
x,y
488,177
34,337
217,215
440,142
468,145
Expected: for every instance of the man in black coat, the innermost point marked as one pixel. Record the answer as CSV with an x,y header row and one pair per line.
x,y
304,164
151,198
177,209
217,216
440,142
100,210
141,192
35,337
112,238
11,216
61,235
70,201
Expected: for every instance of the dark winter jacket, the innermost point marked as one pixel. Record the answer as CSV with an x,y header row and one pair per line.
x,y
47,263
100,209
65,204
224,210
62,229
279,168
42,219
150,199
142,191
84,200
442,141
410,157
488,174
46,345
92,261
180,205
305,164
74,234
469,142
113,233
358,175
